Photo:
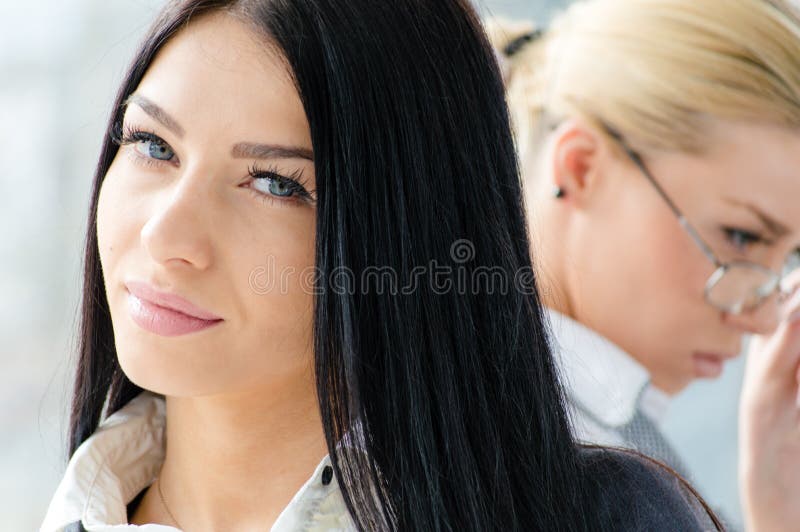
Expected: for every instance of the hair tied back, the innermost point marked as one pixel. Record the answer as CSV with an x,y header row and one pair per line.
x,y
517,44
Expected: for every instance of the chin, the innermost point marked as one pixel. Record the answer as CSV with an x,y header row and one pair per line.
x,y
159,373
676,383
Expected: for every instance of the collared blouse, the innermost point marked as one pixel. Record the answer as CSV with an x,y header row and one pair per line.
x,y
604,384
124,456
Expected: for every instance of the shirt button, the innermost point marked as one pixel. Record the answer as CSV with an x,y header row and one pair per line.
x,y
327,475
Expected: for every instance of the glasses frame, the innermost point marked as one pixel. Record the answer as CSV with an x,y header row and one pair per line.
x,y
764,291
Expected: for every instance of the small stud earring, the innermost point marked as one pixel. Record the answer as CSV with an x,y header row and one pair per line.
x,y
558,192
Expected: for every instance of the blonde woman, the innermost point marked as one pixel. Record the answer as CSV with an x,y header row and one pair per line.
x,y
660,142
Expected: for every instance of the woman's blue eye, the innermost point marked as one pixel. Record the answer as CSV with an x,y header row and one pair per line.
x,y
741,239
154,149
147,144
272,184
276,187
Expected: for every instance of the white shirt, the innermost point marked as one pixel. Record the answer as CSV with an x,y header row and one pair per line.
x,y
124,456
604,384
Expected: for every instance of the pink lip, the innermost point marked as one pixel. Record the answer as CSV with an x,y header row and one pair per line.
x,y
709,365
166,314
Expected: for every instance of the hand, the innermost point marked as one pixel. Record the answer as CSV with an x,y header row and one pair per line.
x,y
769,427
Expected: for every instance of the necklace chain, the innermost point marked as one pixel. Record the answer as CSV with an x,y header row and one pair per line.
x,y
161,496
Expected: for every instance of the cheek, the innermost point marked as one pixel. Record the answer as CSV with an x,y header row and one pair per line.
x,y
645,273
112,226
115,214
667,261
276,279
105,223
657,257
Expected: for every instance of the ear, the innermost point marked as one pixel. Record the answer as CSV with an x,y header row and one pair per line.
x,y
576,157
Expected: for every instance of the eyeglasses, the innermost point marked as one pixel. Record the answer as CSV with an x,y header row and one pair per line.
x,y
734,287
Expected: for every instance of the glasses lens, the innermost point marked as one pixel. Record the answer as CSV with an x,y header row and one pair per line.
x,y
739,287
790,277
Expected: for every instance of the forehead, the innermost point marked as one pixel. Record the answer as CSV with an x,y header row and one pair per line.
x,y
217,73
757,164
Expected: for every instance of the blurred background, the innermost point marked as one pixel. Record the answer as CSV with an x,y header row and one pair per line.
x,y
60,64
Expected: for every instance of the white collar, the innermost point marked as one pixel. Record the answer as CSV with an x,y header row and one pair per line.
x,y
601,378
124,456
654,403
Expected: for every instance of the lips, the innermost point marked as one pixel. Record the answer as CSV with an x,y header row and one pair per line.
x,y
709,365
166,314
174,302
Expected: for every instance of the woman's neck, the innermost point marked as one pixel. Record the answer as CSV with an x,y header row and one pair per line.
x,y
234,461
552,280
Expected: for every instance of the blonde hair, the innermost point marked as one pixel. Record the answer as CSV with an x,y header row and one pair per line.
x,y
656,69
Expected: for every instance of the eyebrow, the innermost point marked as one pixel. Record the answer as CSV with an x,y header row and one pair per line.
x,y
241,150
248,150
157,113
774,226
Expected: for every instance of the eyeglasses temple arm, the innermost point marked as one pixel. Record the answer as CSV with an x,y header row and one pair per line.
x,y
637,160
698,240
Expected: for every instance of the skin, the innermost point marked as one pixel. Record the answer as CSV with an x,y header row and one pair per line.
x,y
769,426
198,225
614,257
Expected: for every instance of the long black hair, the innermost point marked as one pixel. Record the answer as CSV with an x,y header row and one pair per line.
x,y
460,419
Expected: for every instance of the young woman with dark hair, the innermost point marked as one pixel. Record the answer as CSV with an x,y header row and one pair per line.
x,y
261,157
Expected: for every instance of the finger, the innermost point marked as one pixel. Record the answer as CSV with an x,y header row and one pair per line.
x,y
791,308
791,285
780,353
797,383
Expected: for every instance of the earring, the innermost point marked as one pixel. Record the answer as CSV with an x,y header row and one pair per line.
x,y
558,192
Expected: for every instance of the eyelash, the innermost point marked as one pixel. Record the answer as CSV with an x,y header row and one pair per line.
x,y
750,238
124,135
294,181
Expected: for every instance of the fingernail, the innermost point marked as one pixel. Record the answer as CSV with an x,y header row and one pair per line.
x,y
793,307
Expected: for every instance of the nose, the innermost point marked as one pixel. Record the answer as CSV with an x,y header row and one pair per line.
x,y
762,320
176,231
